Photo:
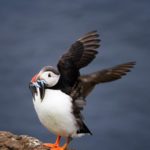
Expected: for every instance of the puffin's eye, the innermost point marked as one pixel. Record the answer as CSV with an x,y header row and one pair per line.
x,y
49,75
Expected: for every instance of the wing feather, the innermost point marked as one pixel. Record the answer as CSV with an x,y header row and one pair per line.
x,y
86,83
80,54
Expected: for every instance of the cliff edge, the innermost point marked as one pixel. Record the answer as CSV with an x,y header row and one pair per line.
x,y
10,141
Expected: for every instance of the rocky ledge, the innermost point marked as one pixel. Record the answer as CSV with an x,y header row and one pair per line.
x,y
9,141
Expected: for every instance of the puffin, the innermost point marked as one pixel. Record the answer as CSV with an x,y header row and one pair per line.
x,y
59,94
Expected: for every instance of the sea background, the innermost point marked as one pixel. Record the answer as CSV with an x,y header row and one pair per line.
x,y
35,33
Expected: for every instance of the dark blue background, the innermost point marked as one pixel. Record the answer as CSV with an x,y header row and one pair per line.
x,y
34,33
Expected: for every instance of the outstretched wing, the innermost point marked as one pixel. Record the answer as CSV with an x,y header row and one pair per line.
x,y
80,54
87,82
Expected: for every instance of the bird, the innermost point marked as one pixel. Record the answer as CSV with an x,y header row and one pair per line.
x,y
59,93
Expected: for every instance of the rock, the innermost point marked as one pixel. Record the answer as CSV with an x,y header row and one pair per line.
x,y
9,141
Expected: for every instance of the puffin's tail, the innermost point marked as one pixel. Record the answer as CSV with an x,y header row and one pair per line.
x,y
83,129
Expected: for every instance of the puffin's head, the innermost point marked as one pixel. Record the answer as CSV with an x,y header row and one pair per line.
x,y
46,78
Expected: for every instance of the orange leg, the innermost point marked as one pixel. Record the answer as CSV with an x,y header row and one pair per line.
x,y
65,146
56,146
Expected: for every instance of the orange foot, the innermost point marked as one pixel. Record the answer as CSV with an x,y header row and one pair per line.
x,y
50,145
55,146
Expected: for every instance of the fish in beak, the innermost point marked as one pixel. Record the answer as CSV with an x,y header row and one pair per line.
x,y
34,86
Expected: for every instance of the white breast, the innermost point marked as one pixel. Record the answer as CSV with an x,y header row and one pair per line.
x,y
55,112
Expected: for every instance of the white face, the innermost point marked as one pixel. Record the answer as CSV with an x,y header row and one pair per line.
x,y
50,78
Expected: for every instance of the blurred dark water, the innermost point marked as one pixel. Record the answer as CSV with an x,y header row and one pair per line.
x,y
35,33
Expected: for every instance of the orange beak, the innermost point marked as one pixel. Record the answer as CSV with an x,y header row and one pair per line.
x,y
34,79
